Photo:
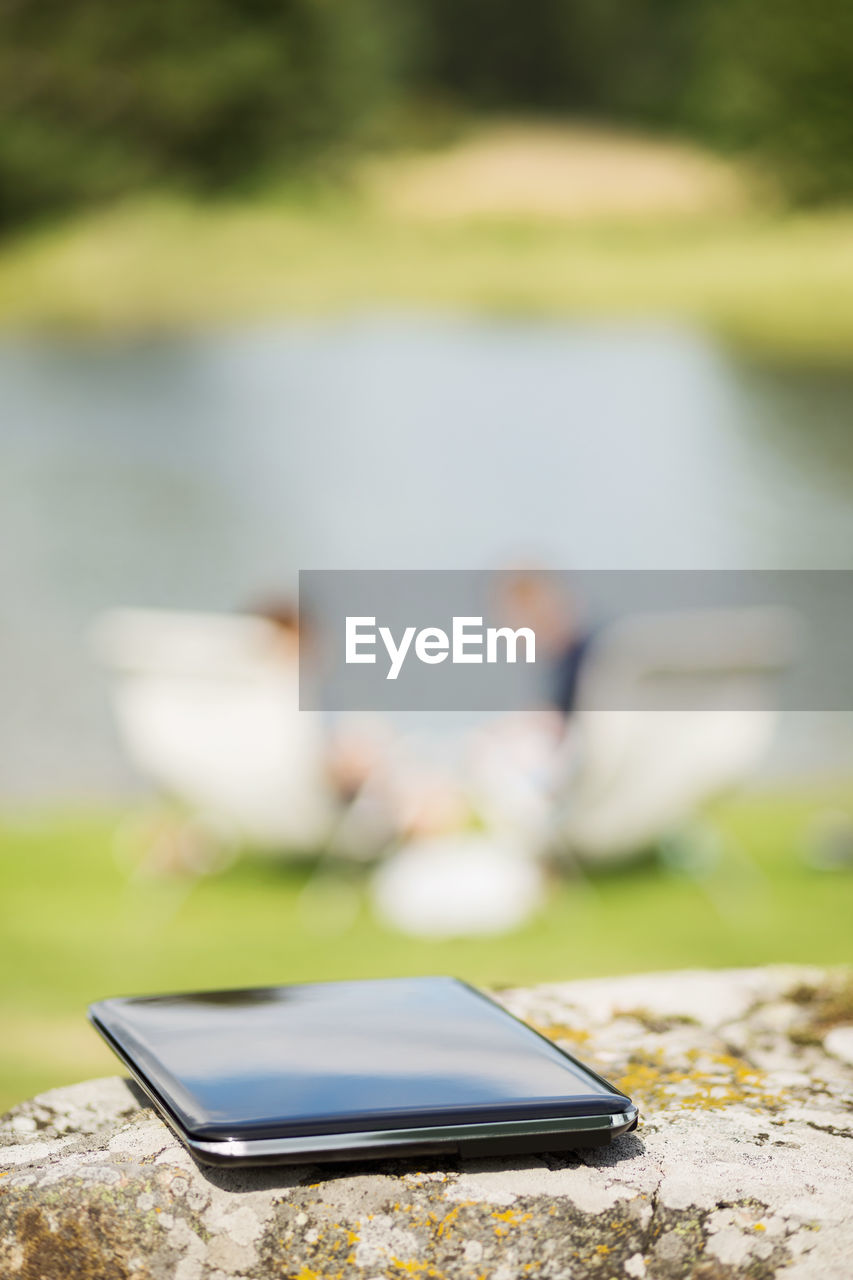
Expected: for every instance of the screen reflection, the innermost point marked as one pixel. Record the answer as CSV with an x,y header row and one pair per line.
x,y
345,1055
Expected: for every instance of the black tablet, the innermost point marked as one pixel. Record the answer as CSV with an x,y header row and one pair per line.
x,y
355,1070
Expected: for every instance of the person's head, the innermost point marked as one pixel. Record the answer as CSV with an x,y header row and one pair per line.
x,y
283,616
540,600
281,613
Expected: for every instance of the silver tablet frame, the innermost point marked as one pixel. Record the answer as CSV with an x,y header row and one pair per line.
x,y
461,1139
527,1136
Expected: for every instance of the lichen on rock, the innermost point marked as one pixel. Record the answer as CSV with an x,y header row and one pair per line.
x,y
742,1165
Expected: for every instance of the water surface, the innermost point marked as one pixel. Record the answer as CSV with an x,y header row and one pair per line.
x,y
204,472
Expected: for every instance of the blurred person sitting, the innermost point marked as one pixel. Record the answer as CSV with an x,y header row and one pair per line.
x,y
539,599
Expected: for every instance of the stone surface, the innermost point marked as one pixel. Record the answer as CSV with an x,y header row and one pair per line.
x,y
742,1166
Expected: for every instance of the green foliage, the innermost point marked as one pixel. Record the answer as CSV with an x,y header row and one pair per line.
x,y
777,79
612,57
97,98
773,77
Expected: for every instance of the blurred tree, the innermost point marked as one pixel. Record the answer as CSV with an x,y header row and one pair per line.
x,y
776,79
98,97
624,58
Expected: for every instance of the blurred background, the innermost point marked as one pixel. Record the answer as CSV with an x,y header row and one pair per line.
x,y
290,284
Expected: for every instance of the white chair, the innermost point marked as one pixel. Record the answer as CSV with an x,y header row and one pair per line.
x,y
207,710
674,709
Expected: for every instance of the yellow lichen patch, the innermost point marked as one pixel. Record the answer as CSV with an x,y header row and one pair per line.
x,y
560,1031
411,1267
511,1215
712,1080
448,1219
510,1218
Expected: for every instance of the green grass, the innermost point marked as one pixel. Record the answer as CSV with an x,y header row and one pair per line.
x,y
781,286
75,927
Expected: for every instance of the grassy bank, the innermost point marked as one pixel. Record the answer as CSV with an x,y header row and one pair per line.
x,y
75,927
516,230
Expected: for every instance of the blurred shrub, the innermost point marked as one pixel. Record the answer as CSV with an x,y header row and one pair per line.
x,y
619,58
100,96
776,78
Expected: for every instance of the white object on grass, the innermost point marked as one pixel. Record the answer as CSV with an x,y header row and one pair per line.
x,y
457,885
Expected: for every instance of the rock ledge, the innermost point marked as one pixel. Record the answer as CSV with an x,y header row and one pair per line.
x,y
742,1166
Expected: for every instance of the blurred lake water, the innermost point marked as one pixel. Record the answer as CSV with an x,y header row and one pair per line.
x,y
202,472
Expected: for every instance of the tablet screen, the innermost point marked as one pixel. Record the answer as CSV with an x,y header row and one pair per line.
x,y
343,1056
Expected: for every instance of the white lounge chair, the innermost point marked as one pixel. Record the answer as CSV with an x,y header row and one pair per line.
x,y
674,709
207,710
